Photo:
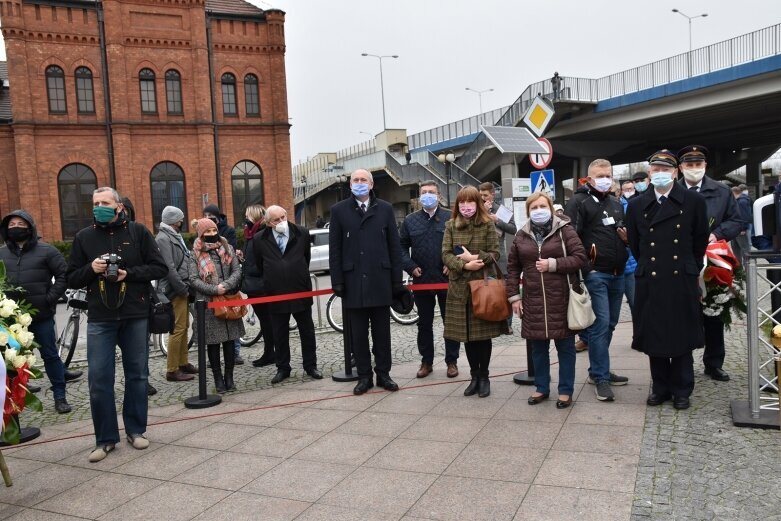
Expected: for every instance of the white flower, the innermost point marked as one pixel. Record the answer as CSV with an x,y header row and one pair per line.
x,y
10,354
16,329
25,338
722,298
7,308
19,361
24,319
711,312
31,360
4,338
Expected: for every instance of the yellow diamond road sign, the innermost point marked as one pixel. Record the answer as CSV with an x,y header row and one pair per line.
x,y
538,115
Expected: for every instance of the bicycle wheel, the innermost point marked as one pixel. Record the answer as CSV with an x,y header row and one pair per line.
x,y
292,325
252,329
161,340
333,313
408,319
66,344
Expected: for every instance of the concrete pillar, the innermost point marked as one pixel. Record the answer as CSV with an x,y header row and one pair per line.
x,y
754,178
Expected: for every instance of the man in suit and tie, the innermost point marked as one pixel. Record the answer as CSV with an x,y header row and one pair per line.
x,y
282,254
365,264
667,228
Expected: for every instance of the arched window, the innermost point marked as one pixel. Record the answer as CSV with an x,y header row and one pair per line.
x,y
251,96
76,182
167,181
84,93
229,94
146,82
173,91
247,185
55,89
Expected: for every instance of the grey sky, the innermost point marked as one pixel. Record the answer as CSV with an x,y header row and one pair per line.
x,y
445,46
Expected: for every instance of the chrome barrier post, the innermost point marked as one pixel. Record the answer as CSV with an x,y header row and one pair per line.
x,y
203,400
752,322
316,287
346,375
526,377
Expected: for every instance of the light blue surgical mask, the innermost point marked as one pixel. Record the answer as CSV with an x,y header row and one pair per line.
x,y
641,186
661,179
429,201
360,189
540,215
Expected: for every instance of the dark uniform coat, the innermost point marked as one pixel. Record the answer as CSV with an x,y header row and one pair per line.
x,y
481,239
364,252
284,273
668,241
724,218
545,295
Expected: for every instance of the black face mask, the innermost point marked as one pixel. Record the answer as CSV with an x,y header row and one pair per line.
x,y
248,223
19,234
210,239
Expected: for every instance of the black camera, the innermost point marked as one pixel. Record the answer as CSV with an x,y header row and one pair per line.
x,y
112,266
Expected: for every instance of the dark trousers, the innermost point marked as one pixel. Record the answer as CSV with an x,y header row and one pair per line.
x,y
713,356
673,376
379,317
47,341
263,312
425,301
479,355
306,332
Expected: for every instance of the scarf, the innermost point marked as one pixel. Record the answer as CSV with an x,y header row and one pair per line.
x,y
206,268
541,231
170,229
249,233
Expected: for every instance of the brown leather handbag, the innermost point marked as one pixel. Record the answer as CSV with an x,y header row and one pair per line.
x,y
229,312
489,298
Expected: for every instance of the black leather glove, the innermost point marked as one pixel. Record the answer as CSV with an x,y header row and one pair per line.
x,y
338,290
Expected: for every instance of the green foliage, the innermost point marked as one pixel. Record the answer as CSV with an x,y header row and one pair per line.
x,y
11,432
64,247
240,238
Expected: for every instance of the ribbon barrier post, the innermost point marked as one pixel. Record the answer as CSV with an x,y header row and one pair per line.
x,y
346,375
203,400
526,377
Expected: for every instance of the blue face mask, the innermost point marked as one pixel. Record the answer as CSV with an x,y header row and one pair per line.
x,y
661,179
360,189
429,201
103,214
640,186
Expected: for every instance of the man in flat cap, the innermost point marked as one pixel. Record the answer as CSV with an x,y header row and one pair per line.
x,y
725,223
668,231
641,182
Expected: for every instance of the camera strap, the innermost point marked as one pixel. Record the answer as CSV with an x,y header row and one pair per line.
x,y
104,296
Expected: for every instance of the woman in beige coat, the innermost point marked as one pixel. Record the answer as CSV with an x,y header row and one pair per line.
x,y
470,246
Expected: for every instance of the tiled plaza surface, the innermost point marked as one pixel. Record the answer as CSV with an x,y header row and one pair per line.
x,y
309,450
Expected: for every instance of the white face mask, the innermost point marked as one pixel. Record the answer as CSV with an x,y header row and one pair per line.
x,y
540,215
694,175
629,194
603,184
281,227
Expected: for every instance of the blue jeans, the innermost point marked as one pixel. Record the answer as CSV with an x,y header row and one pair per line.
x,y
629,290
541,360
47,338
102,339
425,301
607,292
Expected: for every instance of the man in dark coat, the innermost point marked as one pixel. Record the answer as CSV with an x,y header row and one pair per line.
x,y
31,265
365,263
422,232
725,223
668,231
282,254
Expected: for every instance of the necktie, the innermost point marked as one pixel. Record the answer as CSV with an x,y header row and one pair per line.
x,y
695,188
363,207
662,199
281,243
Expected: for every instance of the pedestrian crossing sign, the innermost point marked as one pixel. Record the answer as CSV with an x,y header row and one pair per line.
x,y
542,181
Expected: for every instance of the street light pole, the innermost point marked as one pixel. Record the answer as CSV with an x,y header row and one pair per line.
x,y
382,81
480,98
303,183
690,18
447,160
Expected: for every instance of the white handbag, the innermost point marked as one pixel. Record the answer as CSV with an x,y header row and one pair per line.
x,y
580,314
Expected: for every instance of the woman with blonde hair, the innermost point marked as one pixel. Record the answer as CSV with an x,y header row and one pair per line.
x,y
252,285
470,246
548,254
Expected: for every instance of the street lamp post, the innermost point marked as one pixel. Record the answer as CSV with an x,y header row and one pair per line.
x,y
480,98
382,83
303,184
690,18
447,160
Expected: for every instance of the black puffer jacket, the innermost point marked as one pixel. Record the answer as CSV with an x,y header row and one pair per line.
x,y
32,267
140,257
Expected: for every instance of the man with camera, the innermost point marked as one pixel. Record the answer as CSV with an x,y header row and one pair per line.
x,y
116,259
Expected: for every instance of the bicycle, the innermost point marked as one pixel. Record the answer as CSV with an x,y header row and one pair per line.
x,y
334,305
66,343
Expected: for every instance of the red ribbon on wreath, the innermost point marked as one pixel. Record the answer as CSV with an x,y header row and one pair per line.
x,y
720,263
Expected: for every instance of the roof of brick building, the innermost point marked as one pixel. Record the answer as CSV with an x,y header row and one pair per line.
x,y
5,94
233,7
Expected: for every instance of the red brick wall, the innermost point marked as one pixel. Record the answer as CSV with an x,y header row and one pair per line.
x,y
159,36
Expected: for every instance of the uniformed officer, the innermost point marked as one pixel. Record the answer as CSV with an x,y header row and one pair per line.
x,y
725,223
668,231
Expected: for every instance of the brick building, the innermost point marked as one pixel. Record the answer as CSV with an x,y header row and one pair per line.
x,y
178,102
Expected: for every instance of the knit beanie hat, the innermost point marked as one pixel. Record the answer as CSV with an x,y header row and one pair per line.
x,y
203,225
172,215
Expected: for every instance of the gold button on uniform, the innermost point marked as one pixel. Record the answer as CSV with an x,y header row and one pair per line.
x,y
677,225
652,229
653,274
653,259
674,241
675,272
675,257
652,245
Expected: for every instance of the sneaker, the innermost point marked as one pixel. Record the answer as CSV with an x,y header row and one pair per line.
x,y
138,441
61,406
100,453
614,379
604,392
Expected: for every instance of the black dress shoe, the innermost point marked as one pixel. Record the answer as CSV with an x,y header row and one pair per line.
x,y
263,361
657,399
364,384
281,375
314,373
150,390
72,375
61,406
386,383
681,403
717,373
